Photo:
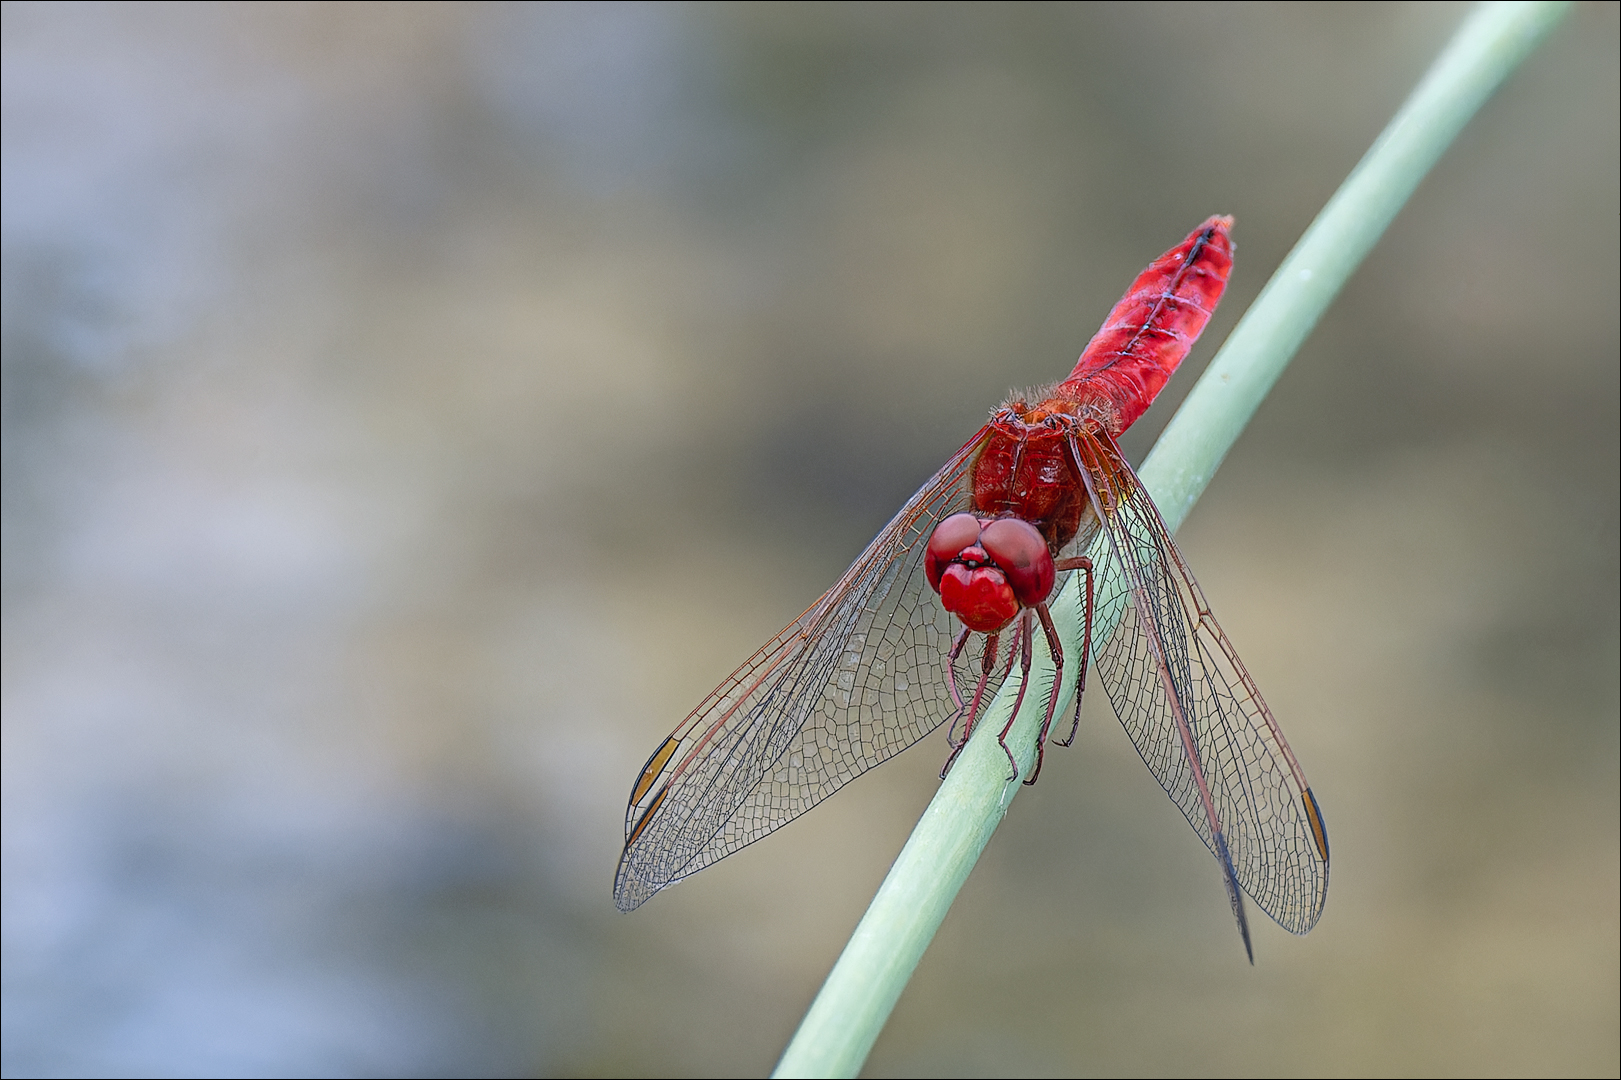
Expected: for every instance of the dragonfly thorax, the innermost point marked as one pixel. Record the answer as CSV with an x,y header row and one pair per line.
x,y
1064,407
1028,470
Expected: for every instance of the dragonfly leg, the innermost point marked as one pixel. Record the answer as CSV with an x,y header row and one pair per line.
x,y
1056,647
1084,565
987,667
1022,643
951,683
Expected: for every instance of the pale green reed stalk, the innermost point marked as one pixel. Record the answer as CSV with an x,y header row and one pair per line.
x,y
856,1000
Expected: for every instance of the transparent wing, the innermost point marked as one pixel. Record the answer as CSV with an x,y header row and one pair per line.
x,y
853,681
1175,681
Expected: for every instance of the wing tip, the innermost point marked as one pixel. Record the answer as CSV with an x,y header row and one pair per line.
x,y
1229,878
1319,828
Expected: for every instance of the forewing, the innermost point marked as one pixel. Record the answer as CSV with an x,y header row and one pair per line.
x,y
1158,615
853,681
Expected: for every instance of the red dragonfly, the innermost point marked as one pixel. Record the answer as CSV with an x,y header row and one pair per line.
x,y
884,657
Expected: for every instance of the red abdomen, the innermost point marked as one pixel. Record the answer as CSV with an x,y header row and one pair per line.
x,y
1153,326
1024,469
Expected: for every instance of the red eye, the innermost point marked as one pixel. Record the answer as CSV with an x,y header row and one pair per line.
x,y
1022,554
950,537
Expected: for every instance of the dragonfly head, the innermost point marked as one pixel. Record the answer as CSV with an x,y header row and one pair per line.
x,y
987,571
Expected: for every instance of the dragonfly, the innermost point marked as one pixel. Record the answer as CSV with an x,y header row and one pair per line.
x,y
930,620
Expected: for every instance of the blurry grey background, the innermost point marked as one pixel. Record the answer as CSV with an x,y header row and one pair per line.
x,y
412,410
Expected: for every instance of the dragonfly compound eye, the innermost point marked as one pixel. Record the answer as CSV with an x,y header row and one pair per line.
x,y
980,596
950,537
1022,554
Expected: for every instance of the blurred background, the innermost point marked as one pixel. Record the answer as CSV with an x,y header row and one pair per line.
x,y
412,410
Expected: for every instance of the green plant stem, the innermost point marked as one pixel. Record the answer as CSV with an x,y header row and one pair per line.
x,y
855,1001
